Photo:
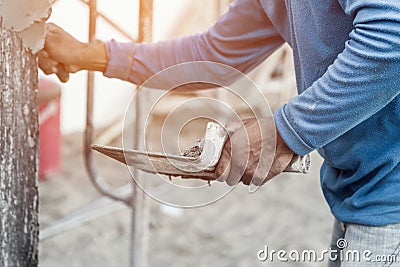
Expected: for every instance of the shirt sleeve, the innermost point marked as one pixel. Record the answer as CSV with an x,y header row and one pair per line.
x,y
242,39
362,80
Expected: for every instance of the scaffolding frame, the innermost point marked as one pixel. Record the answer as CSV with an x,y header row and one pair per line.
x,y
135,199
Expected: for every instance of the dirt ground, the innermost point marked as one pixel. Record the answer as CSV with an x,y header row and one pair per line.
x,y
288,213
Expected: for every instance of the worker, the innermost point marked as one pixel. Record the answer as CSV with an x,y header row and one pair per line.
x,y
347,62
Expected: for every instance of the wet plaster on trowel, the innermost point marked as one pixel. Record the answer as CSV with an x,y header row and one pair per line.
x,y
27,18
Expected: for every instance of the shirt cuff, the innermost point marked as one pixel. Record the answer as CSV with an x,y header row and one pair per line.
x,y
289,135
120,59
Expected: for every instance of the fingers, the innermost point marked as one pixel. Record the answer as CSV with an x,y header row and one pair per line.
x,y
46,64
51,27
225,170
71,68
60,45
49,60
240,156
233,160
235,171
50,32
50,66
224,164
283,157
279,165
62,73
254,154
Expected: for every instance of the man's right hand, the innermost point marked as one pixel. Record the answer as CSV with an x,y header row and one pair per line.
x,y
63,54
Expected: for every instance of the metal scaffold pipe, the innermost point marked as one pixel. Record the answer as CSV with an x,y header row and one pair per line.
x,y
141,207
99,183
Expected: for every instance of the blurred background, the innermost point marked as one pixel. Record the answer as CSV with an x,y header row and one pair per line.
x,y
80,227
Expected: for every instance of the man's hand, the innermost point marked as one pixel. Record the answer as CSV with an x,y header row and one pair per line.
x,y
63,47
50,66
255,153
63,53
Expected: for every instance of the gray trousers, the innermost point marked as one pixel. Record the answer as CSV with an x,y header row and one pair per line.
x,y
365,246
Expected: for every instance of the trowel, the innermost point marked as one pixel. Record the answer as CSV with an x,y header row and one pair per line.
x,y
199,165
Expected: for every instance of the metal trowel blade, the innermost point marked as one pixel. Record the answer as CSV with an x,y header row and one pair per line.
x,y
153,162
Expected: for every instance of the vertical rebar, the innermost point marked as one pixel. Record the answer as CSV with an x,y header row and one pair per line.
x,y
90,86
93,174
141,204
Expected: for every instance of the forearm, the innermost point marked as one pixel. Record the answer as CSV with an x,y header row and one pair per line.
x,y
62,48
241,39
91,56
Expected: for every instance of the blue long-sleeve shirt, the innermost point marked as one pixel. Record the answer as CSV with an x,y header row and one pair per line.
x,y
347,62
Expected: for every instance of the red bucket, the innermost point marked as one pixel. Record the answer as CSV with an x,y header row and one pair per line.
x,y
49,95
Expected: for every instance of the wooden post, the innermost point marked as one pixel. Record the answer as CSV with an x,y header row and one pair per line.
x,y
19,227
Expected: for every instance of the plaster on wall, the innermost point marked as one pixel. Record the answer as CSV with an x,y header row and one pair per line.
x,y
33,36
27,18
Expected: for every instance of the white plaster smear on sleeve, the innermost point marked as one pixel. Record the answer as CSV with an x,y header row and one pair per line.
x,y
27,18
